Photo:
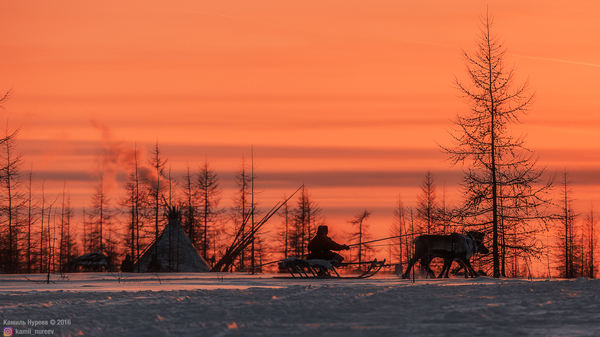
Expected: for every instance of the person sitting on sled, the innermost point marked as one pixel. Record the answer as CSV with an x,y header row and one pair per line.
x,y
321,246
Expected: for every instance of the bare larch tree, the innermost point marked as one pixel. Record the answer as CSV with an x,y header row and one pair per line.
x,y
502,186
427,207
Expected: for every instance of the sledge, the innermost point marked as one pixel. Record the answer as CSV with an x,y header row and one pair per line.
x,y
302,268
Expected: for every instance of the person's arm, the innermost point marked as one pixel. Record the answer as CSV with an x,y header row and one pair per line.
x,y
332,245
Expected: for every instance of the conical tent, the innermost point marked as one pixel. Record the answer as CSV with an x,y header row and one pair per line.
x,y
174,252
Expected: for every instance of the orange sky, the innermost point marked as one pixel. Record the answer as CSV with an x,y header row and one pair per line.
x,y
349,97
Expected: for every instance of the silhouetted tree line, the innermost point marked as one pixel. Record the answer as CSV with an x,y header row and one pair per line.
x,y
574,246
39,236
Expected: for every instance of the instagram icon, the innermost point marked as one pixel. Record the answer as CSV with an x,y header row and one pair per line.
x,y
8,331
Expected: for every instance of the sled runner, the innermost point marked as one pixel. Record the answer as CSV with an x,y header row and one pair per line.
x,y
301,268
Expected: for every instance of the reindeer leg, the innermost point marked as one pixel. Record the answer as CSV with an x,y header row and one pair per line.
x,y
411,263
446,267
462,265
425,264
469,269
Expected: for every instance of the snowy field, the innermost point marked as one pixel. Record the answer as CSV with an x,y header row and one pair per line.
x,y
245,305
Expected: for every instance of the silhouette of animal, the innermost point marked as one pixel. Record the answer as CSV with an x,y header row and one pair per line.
x,y
459,247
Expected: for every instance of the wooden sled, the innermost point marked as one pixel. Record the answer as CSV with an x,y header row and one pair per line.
x,y
301,268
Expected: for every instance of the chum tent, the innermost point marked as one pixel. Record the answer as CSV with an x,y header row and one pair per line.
x,y
174,251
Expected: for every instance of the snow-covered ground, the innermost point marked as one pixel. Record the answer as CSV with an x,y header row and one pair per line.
x,y
260,305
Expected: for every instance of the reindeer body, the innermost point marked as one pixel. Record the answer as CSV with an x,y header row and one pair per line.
x,y
449,247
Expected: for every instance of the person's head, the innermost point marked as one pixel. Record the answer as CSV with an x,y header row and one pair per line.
x,y
322,230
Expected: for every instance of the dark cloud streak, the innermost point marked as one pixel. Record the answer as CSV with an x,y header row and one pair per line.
x,y
313,176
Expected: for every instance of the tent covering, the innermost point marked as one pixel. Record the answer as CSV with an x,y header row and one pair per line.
x,y
174,251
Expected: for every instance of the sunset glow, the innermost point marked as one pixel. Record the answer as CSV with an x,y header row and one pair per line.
x,y
350,98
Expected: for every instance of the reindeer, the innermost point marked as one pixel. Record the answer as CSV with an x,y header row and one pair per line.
x,y
449,247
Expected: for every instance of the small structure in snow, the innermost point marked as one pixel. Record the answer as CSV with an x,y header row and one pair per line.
x,y
173,251
89,262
